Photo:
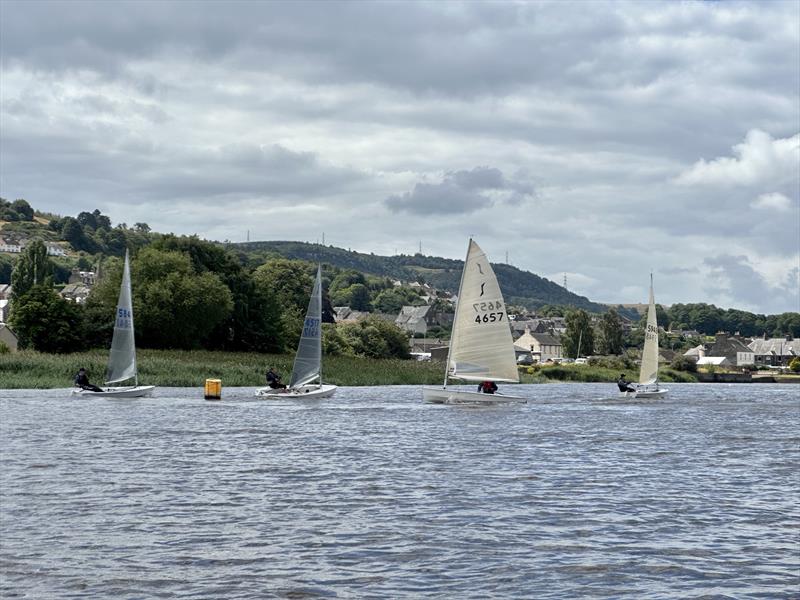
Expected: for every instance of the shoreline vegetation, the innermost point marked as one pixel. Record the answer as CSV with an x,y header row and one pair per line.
x,y
179,368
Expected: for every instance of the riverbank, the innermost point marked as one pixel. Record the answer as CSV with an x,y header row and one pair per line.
x,y
178,368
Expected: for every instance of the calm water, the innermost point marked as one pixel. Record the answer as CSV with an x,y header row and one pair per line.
x,y
372,494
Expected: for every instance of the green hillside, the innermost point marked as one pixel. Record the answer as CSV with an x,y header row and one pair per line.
x,y
519,287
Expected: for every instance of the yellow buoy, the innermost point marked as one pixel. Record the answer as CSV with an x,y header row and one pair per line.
x,y
213,389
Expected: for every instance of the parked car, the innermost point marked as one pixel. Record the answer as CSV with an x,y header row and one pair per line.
x,y
581,361
524,359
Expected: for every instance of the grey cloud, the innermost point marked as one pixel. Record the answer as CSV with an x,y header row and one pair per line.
x,y
442,198
461,192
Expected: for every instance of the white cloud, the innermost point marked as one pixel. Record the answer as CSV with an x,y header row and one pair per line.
x,y
761,160
773,201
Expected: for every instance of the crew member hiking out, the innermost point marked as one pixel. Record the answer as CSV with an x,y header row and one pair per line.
x,y
623,385
487,387
82,381
274,380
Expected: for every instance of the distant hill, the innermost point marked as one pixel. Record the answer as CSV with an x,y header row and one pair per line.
x,y
519,287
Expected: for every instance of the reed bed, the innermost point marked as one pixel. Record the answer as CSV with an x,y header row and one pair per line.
x,y
179,368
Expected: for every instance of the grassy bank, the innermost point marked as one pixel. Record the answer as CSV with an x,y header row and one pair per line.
x,y
191,368
591,373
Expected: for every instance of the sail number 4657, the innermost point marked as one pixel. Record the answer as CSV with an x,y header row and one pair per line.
x,y
486,312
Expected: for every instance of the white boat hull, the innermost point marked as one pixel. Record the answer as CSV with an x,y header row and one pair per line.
x,y
442,395
133,391
304,392
645,393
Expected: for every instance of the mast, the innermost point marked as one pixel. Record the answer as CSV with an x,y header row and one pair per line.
x,y
455,315
133,329
319,298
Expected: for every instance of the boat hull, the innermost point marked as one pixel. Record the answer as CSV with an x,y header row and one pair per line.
x,y
135,391
452,396
304,392
645,393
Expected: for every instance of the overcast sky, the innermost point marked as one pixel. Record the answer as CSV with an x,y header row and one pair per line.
x,y
604,140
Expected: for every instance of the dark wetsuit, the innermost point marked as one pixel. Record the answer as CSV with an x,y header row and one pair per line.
x,y
82,381
625,386
274,381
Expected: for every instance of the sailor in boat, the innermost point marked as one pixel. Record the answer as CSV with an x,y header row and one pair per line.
x,y
487,387
82,381
274,380
624,386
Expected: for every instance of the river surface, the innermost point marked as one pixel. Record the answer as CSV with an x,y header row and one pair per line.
x,y
373,494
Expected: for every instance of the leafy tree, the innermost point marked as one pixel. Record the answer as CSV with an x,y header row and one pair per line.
x,y
683,363
794,365
254,323
174,307
375,338
345,279
610,334
549,310
579,333
33,268
23,209
46,322
356,297
6,268
393,299
72,232
289,280
662,317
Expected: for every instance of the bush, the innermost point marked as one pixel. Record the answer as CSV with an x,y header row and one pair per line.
x,y
684,363
4,349
794,365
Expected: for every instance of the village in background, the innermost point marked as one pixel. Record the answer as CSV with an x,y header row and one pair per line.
x,y
555,327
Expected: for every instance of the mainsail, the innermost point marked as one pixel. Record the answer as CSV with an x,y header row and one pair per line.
x,y
481,346
122,358
308,360
648,374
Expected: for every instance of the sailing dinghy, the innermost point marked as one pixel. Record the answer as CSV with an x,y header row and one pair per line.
x,y
648,386
308,360
481,346
122,358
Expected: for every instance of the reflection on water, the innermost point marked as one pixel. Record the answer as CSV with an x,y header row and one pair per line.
x,y
373,494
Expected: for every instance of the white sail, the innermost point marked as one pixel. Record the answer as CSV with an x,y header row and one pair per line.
x,y
648,374
308,360
481,346
122,358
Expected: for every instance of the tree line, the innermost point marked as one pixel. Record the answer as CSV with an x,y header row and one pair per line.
x,y
189,293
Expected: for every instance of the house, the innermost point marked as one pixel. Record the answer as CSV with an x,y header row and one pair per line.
x,y
418,319
553,325
8,337
76,292
4,309
5,291
732,348
542,346
774,351
424,345
88,278
55,250
345,314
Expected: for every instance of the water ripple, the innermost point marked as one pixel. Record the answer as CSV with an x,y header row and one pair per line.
x,y
375,495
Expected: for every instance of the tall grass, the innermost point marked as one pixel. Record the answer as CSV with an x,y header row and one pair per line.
x,y
589,373
179,368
